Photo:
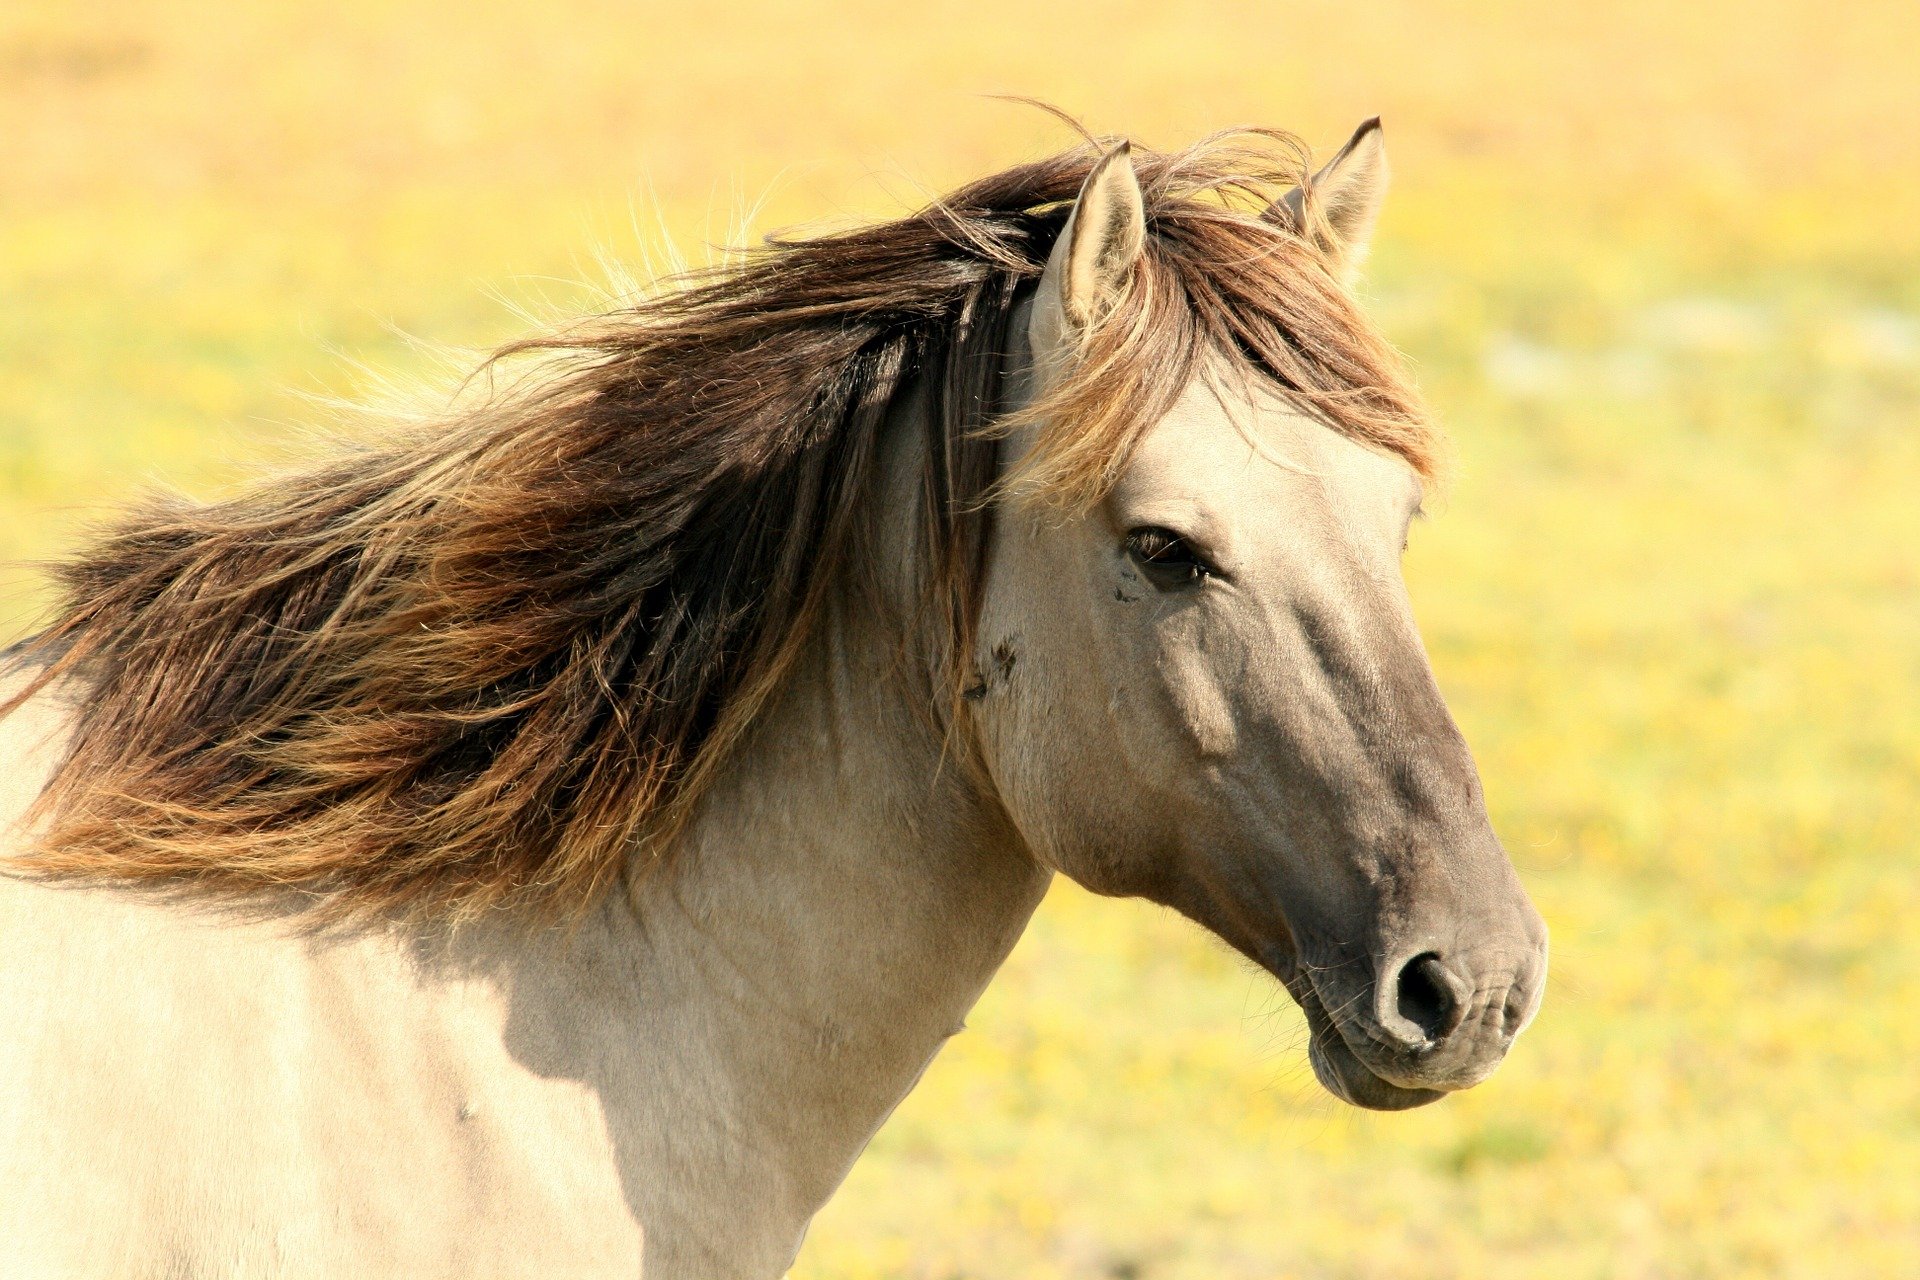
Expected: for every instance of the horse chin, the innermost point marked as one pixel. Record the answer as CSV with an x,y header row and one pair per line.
x,y
1348,1079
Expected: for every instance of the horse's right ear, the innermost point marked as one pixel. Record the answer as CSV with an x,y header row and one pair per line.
x,y
1092,262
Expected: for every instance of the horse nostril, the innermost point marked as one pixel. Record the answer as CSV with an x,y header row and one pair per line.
x,y
1425,996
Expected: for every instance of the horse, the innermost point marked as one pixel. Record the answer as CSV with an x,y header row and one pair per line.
x,y
549,837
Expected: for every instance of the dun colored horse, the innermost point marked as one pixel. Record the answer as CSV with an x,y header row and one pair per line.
x,y
549,842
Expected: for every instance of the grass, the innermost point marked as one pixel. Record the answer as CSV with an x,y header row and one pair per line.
x,y
1655,265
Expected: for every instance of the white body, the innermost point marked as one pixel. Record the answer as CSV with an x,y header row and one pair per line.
x,y
672,1089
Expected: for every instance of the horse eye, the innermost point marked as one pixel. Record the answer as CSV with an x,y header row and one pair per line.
x,y
1167,559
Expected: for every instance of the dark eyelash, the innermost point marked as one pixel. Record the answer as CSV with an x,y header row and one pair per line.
x,y
1167,559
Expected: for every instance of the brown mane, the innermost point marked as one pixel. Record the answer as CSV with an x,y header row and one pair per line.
x,y
495,660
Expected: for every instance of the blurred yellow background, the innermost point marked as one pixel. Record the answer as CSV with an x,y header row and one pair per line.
x,y
1658,266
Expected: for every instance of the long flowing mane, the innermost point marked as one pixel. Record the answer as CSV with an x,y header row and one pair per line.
x,y
499,658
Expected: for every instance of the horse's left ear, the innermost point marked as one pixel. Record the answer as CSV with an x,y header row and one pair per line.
x,y
1346,195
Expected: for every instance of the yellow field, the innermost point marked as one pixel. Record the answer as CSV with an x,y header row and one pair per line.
x,y
1658,264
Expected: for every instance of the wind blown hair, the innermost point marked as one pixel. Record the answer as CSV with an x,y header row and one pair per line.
x,y
500,658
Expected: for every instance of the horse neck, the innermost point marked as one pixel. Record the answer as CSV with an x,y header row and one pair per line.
x,y
839,902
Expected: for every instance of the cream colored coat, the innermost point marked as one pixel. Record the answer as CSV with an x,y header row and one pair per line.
x,y
672,1091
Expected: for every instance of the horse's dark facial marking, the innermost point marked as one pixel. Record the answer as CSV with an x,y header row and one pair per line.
x,y
1004,656
999,671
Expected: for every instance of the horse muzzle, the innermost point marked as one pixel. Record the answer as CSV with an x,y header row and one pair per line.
x,y
1405,1032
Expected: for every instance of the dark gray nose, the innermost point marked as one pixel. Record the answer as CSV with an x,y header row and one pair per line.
x,y
1423,1001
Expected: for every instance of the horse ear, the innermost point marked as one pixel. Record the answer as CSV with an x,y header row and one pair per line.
x,y
1091,262
1346,195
